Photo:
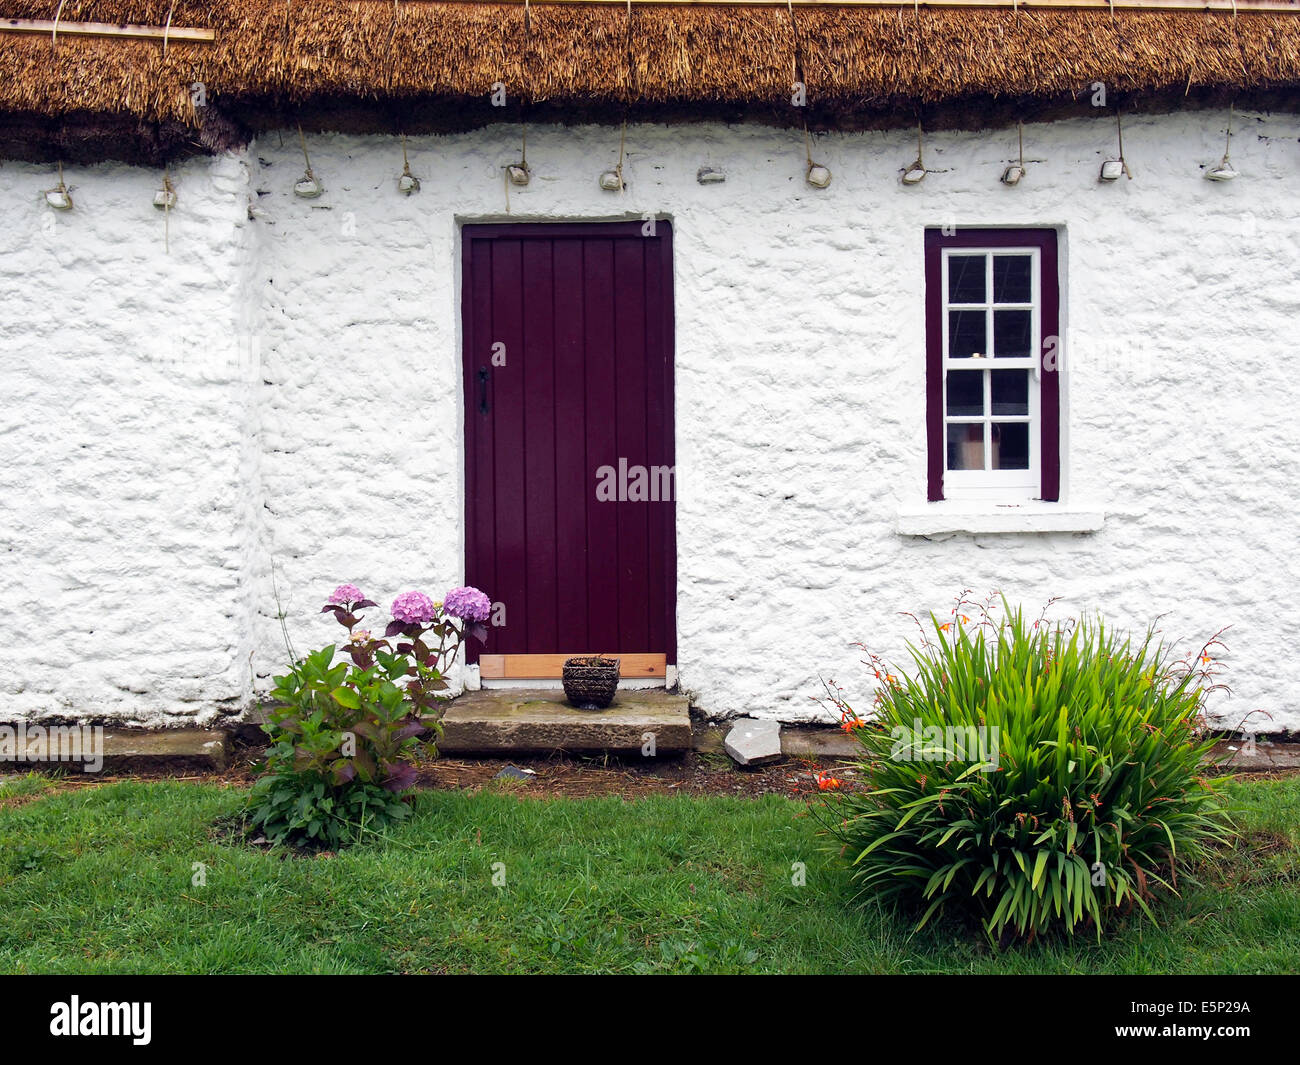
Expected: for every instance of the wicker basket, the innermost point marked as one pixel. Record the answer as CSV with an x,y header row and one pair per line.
x,y
590,681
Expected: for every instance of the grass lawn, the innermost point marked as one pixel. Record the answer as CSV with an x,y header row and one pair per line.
x,y
99,879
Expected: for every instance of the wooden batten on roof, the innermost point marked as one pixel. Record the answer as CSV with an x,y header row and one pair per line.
x,y
431,64
52,28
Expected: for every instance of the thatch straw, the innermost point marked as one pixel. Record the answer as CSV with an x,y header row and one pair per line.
x,y
862,65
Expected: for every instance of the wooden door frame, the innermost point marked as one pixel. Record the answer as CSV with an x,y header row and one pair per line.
x,y
469,230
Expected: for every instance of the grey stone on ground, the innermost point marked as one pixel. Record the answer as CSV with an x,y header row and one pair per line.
x,y
753,742
513,772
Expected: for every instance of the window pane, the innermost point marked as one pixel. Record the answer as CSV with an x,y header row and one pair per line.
x,y
966,447
966,334
966,279
1011,333
1011,278
966,393
1011,446
1010,392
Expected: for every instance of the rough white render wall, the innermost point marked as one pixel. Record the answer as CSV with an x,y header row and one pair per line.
x,y
125,452
800,399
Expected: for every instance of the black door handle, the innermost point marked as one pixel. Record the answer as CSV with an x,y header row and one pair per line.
x,y
482,390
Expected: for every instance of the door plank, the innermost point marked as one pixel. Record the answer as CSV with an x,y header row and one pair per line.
x,y
480,505
664,313
574,491
602,447
507,421
659,448
538,369
630,444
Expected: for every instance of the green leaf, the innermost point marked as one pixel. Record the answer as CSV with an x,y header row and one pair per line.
x,y
1039,865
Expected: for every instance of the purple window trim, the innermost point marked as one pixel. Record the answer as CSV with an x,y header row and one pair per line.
x,y
1050,317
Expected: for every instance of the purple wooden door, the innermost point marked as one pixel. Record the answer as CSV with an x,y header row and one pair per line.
x,y
568,377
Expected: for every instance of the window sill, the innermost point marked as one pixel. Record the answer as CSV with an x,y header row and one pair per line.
x,y
951,516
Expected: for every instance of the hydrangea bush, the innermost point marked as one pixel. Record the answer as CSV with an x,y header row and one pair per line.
x,y
350,719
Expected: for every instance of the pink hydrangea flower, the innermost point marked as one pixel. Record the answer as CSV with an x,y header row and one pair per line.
x,y
345,594
468,604
414,608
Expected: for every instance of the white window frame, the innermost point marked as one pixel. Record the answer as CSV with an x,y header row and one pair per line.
x,y
989,484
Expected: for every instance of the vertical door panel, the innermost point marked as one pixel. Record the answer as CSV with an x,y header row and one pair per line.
x,y
505,423
573,492
538,374
630,451
480,506
602,394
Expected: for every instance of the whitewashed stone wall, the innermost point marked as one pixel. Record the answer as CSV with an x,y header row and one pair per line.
x,y
125,457
152,505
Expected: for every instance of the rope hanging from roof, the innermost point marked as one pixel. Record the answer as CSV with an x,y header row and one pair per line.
x,y
407,183
519,173
818,176
167,27
918,167
1119,133
54,32
524,89
627,100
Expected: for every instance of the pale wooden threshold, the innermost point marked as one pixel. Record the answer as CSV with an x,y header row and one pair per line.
x,y
551,667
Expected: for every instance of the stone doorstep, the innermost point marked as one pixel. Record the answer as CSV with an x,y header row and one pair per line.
x,y
126,750
527,720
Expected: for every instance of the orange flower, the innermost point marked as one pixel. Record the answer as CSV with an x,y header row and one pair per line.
x,y
826,782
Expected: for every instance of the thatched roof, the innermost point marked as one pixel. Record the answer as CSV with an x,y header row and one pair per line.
x,y
375,64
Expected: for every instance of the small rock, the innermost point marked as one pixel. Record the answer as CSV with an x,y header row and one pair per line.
x,y
513,772
754,742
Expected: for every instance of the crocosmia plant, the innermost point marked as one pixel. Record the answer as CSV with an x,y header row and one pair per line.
x,y
1042,777
351,718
